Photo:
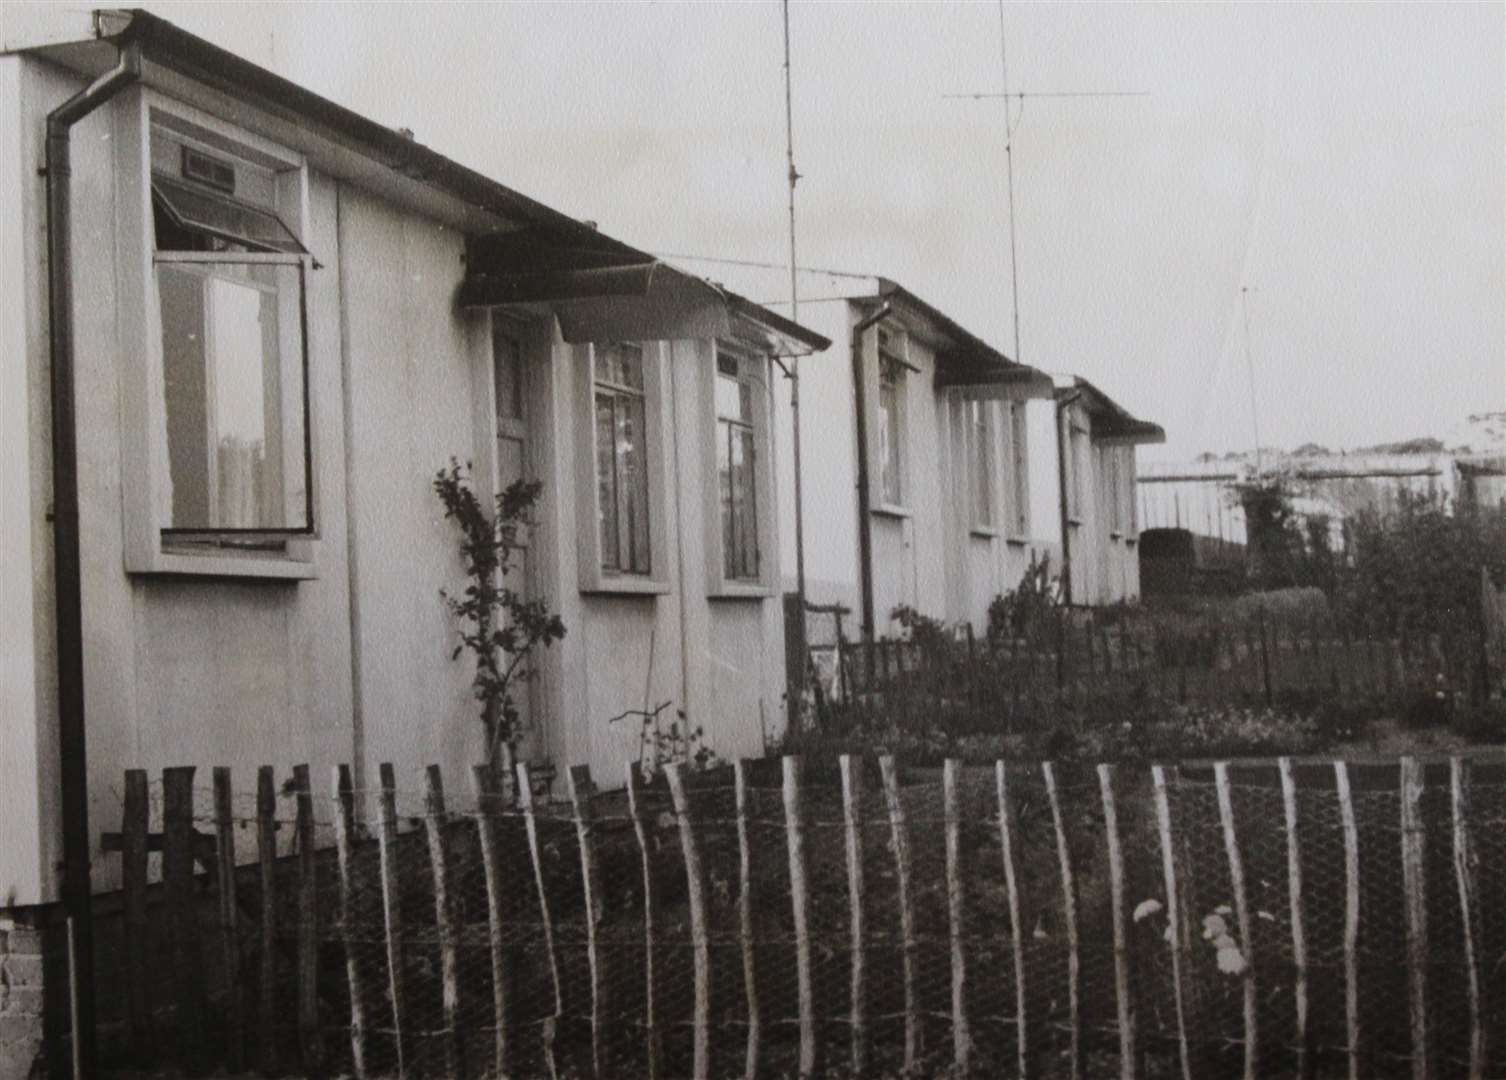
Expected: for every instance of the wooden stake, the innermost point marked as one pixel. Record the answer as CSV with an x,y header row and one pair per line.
x,y
535,852
1016,928
794,817
695,880
134,827
488,799
752,1061
1173,913
581,789
1351,916
1069,920
1465,863
266,854
349,890
962,1036
650,903
899,835
445,921
310,1037
1242,916
1413,854
1305,1056
178,883
852,814
230,951
1123,977
392,917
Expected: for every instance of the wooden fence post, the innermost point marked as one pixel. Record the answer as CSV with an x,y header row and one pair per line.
x,y
310,1037
178,883
349,891
134,827
1241,915
900,842
650,947
1465,865
753,1054
1123,958
230,951
546,922
1414,884
1173,913
392,918
436,823
1069,920
1305,1049
581,790
1351,915
794,817
488,799
1016,929
1265,658
852,813
266,853
951,801
695,880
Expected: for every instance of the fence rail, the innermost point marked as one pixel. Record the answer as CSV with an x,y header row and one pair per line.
x,y
1072,659
1307,918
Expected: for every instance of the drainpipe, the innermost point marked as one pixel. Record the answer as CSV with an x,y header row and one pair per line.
x,y
1063,444
865,523
73,759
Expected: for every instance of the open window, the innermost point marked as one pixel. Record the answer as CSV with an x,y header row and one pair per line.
x,y
217,459
977,420
892,368
738,505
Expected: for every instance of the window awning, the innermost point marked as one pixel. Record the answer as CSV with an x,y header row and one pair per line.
x,y
1113,425
201,211
989,383
610,292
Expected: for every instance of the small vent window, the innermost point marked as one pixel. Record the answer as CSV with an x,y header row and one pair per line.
x,y
209,170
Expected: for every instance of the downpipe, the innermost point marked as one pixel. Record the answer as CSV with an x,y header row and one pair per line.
x,y
68,589
865,522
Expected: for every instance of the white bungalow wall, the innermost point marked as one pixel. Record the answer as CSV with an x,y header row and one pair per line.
x,y
352,665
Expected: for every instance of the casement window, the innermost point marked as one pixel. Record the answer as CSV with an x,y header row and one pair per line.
x,y
622,478
1079,462
1017,465
217,449
978,433
738,396
508,374
891,417
1115,491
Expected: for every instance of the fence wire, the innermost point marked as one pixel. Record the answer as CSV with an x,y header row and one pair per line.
x,y
587,944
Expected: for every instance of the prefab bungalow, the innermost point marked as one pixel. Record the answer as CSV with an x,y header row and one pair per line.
x,y
1096,441
914,459
247,326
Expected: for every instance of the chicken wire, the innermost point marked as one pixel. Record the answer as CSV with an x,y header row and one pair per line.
x,y
583,996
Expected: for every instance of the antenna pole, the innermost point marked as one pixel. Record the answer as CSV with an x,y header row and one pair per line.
x,y
796,679
1014,270
1244,300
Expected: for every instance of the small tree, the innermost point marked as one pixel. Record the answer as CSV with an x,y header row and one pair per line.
x,y
498,626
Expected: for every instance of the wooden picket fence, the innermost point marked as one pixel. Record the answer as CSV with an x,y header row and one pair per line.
x,y
635,932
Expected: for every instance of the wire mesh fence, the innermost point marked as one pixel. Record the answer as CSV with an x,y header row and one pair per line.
x,y
780,918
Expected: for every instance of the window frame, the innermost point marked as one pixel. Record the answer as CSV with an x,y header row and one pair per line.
x,y
592,576
1017,471
979,433
152,545
718,584
891,365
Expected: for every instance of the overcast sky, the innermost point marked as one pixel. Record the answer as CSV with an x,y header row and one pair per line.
x,y
1346,162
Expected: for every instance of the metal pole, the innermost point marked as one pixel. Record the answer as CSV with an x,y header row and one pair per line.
x,y
1014,272
1244,303
797,679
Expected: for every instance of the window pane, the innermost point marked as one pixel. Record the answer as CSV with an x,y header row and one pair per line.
x,y
621,365
731,398
193,210
981,461
744,504
889,436
507,372
606,481
633,492
233,395
729,511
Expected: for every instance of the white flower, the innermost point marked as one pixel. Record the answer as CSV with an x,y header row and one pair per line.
x,y
1230,960
1214,926
1146,908
1266,915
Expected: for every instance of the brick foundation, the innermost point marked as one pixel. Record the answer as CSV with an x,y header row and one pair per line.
x,y
23,944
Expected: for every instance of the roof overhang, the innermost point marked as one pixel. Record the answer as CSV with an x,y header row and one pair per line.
x,y
602,290
1113,425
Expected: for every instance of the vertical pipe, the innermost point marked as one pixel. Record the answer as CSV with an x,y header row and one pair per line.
x,y
865,517
67,560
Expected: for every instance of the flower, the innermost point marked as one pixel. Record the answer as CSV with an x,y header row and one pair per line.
x,y
1146,908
